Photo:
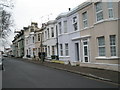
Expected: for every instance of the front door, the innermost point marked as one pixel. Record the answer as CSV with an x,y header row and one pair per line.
x,y
85,51
77,51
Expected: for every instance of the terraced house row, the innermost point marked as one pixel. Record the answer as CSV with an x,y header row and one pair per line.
x,y
87,35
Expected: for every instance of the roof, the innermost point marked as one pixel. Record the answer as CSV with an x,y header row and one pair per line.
x,y
62,15
74,10
51,22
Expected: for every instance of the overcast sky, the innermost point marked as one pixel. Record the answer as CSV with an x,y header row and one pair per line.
x,y
39,11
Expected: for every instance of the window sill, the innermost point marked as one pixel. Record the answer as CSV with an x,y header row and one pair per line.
x,y
81,61
65,34
74,32
85,28
65,56
97,22
52,37
60,35
105,20
106,58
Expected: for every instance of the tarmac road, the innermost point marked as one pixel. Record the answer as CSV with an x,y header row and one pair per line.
x,y
22,74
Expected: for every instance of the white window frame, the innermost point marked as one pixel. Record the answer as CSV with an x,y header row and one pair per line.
x,y
97,12
52,32
33,39
102,46
53,50
48,50
38,36
45,35
113,46
60,27
66,49
85,20
110,8
74,22
48,33
65,26
61,49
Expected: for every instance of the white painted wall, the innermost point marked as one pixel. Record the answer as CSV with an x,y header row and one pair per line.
x,y
31,44
63,38
72,35
52,40
68,38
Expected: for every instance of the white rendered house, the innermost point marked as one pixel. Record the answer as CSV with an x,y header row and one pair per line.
x,y
29,43
68,37
49,40
26,34
63,37
74,36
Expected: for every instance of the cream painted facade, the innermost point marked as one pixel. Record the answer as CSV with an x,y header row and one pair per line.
x,y
92,54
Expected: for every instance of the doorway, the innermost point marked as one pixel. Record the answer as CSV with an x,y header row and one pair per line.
x,y
77,51
85,51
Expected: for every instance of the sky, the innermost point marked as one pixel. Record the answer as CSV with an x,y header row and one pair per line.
x,y
40,11
26,11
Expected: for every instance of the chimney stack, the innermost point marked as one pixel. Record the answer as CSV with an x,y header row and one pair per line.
x,y
69,9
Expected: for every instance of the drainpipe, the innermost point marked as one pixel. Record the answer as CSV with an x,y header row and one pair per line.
x,y
41,50
57,43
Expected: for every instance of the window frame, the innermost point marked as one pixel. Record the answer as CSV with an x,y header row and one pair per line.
x,y
65,26
45,35
75,23
53,50
61,49
111,53
33,39
98,12
66,49
110,8
48,33
60,27
52,32
85,20
48,50
101,46
38,36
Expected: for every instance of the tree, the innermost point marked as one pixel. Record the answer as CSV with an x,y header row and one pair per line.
x,y
6,20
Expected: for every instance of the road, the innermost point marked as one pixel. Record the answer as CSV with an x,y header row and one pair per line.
x,y
23,74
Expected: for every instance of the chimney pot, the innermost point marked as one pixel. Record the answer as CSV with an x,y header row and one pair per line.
x,y
69,9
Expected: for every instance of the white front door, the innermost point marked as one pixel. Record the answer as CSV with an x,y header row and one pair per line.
x,y
85,51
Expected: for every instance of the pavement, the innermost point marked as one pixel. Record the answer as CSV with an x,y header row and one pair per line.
x,y
95,73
